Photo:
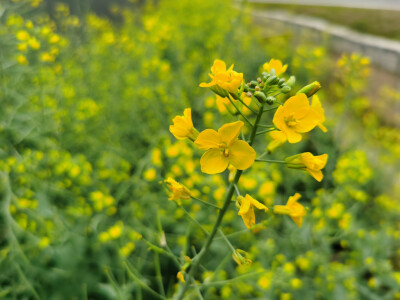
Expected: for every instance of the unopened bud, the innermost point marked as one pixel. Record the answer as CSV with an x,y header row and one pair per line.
x,y
260,96
270,100
259,79
248,94
310,89
264,76
257,88
281,82
291,81
272,80
286,89
254,83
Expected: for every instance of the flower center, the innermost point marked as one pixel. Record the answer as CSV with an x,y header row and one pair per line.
x,y
224,149
290,120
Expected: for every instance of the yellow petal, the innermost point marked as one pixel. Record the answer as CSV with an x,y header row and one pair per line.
x,y
293,136
316,174
241,155
207,139
257,204
213,162
298,106
249,219
245,206
298,221
188,116
218,66
279,118
230,132
293,199
308,122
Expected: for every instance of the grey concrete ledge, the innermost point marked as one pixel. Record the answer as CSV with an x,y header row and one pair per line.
x,y
383,52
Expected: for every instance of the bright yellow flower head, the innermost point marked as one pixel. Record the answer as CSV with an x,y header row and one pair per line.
x,y
306,161
296,116
278,139
226,79
275,64
317,106
292,208
179,191
183,126
247,205
224,147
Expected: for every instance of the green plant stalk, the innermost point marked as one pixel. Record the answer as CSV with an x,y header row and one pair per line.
x,y
196,261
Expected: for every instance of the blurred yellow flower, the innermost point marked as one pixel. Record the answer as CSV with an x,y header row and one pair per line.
x,y
224,147
22,35
183,126
224,105
150,174
317,107
22,60
292,208
179,191
246,211
180,277
308,162
296,117
34,43
275,64
278,139
226,79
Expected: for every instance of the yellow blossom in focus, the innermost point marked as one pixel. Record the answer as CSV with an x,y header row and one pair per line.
x,y
226,79
316,106
246,211
292,208
179,191
308,162
183,126
275,64
296,116
224,147
278,139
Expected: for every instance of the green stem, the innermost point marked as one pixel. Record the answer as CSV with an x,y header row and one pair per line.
x,y
254,111
226,240
269,109
265,131
196,261
266,125
195,222
271,161
206,203
158,273
239,111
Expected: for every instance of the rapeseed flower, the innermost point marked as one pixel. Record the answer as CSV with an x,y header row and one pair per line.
x,y
308,162
246,211
183,126
178,190
228,80
317,106
293,209
275,64
296,116
278,139
224,147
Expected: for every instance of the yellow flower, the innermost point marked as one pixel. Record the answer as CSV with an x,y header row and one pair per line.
x,y
279,138
247,205
316,106
180,277
179,191
183,126
292,208
296,117
224,147
275,64
22,59
308,162
22,35
226,79
225,106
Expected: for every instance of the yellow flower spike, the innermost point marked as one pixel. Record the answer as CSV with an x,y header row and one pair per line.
x,y
228,80
293,209
178,190
278,139
275,64
183,126
317,106
308,162
224,147
296,117
246,211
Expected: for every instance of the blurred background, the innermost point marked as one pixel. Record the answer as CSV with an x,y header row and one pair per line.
x,y
88,90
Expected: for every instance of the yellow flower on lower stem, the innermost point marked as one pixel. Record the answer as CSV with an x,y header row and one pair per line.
x,y
179,191
224,147
183,126
293,209
228,80
278,139
308,162
317,107
246,211
275,64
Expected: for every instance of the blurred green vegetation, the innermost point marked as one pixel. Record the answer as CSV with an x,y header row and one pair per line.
x,y
377,22
85,110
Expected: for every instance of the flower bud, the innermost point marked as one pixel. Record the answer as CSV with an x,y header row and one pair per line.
x,y
260,96
286,89
272,80
264,76
270,100
310,89
291,81
219,91
281,82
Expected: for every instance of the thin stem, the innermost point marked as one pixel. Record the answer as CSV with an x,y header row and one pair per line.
x,y
206,203
271,161
195,222
226,240
254,111
266,125
196,261
158,274
265,131
237,190
269,109
263,154
239,111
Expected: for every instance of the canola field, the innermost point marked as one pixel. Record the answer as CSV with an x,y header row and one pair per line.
x,y
163,150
